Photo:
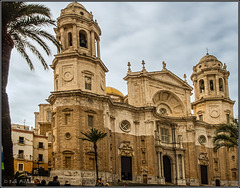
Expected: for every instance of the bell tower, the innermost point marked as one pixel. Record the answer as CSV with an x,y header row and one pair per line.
x,y
210,79
78,65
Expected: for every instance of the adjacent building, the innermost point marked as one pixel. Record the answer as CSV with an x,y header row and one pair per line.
x,y
153,136
30,151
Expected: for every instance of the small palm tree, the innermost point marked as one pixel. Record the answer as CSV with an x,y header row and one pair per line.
x,y
20,22
93,135
226,135
20,178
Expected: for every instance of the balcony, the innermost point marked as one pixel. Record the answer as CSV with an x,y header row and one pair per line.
x,y
20,157
21,142
40,147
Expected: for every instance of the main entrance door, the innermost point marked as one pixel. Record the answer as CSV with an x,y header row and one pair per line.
x,y
167,169
204,175
126,168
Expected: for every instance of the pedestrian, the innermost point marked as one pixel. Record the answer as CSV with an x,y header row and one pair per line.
x,y
67,183
55,182
37,182
43,182
99,183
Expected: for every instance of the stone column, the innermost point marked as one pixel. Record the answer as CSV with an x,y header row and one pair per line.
x,y
98,48
177,167
75,37
206,86
217,84
62,38
195,89
93,43
161,161
183,169
226,87
159,164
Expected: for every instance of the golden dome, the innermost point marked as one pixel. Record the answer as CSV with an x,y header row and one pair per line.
x,y
113,91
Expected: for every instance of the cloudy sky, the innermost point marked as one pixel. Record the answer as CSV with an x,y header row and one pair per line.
x,y
177,33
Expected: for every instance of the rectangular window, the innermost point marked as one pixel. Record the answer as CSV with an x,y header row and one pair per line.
x,y
21,140
91,163
68,162
40,145
20,154
40,157
20,167
227,117
164,135
67,119
88,83
90,121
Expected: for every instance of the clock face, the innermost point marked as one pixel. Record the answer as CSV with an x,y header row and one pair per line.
x,y
125,126
68,76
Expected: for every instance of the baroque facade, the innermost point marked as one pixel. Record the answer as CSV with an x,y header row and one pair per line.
x,y
153,136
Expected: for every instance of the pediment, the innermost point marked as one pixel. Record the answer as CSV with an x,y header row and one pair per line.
x,y
168,78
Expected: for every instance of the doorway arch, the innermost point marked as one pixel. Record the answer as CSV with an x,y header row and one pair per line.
x,y
167,169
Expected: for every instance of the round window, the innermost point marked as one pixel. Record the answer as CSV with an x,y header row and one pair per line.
x,y
163,111
202,140
67,135
125,126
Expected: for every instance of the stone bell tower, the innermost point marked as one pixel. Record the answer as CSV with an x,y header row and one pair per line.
x,y
210,79
78,65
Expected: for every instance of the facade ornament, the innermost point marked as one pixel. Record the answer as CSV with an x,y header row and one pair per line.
x,y
129,67
185,78
164,65
224,66
143,68
91,16
126,149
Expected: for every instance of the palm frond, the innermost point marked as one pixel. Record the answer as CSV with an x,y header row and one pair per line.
x,y
226,135
20,47
33,9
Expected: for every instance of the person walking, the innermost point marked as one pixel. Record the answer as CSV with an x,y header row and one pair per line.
x,y
55,182
43,183
37,182
67,183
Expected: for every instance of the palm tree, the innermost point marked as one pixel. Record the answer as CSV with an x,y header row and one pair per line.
x,y
93,135
20,178
226,135
20,22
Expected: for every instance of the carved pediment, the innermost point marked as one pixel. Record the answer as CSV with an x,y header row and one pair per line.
x,y
68,152
67,110
125,149
167,77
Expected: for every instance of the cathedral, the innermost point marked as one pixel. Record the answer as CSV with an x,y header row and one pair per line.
x,y
155,135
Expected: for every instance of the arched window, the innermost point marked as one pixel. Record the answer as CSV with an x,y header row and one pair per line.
x,y
69,39
201,86
83,39
211,85
220,84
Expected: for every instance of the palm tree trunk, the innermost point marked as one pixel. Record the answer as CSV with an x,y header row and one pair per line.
x,y
7,47
95,152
